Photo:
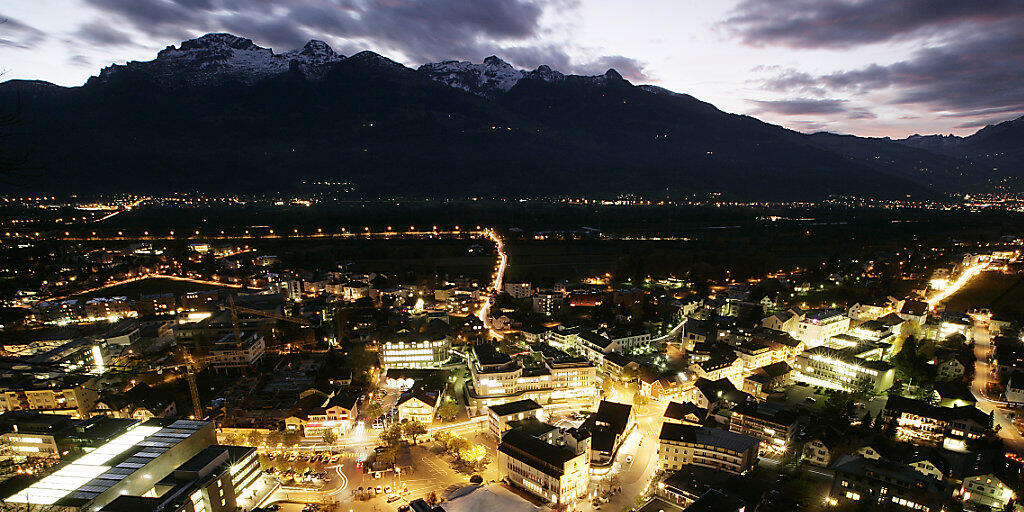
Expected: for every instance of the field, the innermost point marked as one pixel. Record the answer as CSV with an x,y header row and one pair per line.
x,y
1002,293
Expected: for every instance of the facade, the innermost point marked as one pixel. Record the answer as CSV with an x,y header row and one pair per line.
x,y
547,302
497,378
886,484
519,290
685,445
234,353
921,422
608,427
73,395
418,404
847,369
558,473
408,353
818,326
131,463
768,422
500,415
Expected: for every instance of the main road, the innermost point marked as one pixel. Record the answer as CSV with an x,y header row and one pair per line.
x,y
983,375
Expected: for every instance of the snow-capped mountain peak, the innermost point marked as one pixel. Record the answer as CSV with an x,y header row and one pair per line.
x,y
490,78
215,57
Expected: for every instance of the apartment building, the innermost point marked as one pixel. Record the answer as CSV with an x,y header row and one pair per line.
x,y
769,422
234,352
558,473
685,445
497,378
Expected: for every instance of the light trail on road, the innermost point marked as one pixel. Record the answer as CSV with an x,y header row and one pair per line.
x,y
955,286
484,314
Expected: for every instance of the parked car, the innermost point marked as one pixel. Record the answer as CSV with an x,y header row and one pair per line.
x,y
378,490
393,498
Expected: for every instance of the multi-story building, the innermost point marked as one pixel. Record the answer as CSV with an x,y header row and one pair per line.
x,y
847,369
32,434
558,473
546,302
107,308
419,404
218,479
518,290
500,415
235,352
415,351
74,395
818,326
886,484
768,422
497,378
921,422
993,483
684,445
130,464
156,304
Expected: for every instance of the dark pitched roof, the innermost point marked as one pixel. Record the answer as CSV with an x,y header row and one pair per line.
x,y
679,410
543,456
515,407
709,436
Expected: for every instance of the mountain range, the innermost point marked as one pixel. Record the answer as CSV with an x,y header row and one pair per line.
x,y
220,113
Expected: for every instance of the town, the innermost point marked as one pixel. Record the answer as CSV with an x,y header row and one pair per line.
x,y
207,372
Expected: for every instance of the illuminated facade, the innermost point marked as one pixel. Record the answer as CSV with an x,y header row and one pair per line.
x,y
848,369
686,445
234,353
768,422
131,464
429,353
497,378
73,395
559,473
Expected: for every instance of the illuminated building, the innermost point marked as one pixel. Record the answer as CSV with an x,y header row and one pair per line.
x,y
502,414
234,353
608,427
686,445
993,482
132,463
428,349
218,479
497,378
519,290
558,473
847,369
73,395
921,422
418,404
32,434
337,412
769,422
107,308
888,484
819,325
546,302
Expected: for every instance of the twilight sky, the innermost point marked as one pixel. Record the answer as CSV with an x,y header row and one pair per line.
x,y
868,67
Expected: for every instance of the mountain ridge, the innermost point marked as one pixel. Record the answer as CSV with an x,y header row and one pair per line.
x,y
220,112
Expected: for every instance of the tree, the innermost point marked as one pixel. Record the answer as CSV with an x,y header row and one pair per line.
x,y
232,439
330,437
415,429
254,438
432,499
639,399
392,436
472,454
374,411
275,437
291,438
456,444
388,456
448,410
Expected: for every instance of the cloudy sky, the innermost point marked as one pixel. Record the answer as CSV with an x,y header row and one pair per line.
x,y
868,67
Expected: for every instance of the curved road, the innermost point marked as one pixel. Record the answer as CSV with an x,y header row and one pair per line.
x,y
982,376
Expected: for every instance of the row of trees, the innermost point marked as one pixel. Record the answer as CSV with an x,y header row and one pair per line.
x,y
287,438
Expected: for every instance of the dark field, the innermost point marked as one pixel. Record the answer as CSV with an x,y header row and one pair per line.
x,y
1001,293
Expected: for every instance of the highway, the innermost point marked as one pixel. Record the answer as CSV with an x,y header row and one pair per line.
x,y
484,314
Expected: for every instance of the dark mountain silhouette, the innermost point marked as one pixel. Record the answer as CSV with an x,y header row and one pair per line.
x,y
220,113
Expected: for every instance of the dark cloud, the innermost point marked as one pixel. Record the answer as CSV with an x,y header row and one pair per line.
x,y
529,57
16,34
977,75
800,106
420,31
842,23
101,34
981,123
80,60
